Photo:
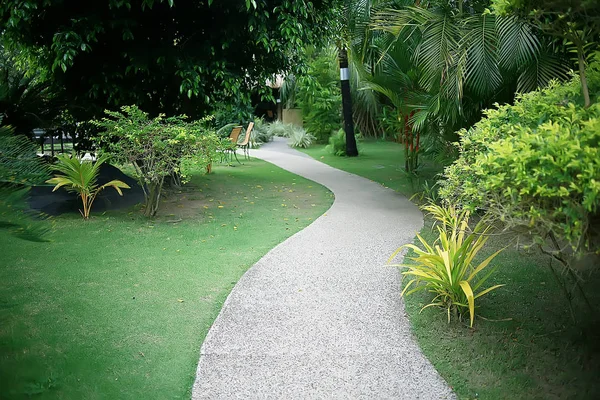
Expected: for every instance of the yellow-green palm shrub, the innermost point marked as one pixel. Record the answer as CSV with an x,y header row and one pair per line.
x,y
80,177
446,267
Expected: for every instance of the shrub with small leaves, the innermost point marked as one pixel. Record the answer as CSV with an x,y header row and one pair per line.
x,y
157,147
535,167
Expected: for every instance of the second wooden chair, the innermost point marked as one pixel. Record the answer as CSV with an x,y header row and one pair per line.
x,y
245,144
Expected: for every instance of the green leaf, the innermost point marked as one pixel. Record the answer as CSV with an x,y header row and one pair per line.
x,y
470,298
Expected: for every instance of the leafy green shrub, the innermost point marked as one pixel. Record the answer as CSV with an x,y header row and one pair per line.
x,y
260,133
80,177
278,128
337,143
445,267
157,147
323,114
535,167
319,95
228,113
301,138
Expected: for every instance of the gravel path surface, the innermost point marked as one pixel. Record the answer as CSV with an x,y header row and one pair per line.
x,y
320,316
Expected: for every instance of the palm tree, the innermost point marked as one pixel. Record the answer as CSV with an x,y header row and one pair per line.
x,y
470,55
342,43
444,65
80,177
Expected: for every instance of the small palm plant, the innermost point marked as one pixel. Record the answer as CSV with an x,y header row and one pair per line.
x,y
446,267
80,177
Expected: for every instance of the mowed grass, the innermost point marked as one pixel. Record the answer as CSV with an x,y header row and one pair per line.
x,y
528,346
117,307
381,162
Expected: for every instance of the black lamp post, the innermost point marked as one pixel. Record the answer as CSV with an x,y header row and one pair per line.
x,y
351,149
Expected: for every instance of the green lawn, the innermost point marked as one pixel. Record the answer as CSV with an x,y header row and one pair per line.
x,y
538,353
117,307
381,162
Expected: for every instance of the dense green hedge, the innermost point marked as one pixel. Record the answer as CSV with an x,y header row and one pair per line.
x,y
534,165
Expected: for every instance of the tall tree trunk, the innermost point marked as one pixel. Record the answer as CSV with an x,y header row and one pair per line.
x,y
351,149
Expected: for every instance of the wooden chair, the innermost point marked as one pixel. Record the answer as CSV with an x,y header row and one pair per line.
x,y
233,136
245,145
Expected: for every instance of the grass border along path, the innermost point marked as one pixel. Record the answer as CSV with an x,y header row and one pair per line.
x,y
117,307
381,162
529,347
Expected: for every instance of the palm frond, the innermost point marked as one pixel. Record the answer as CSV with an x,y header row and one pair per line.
x,y
541,70
18,161
481,43
365,102
438,50
288,91
76,175
19,169
517,43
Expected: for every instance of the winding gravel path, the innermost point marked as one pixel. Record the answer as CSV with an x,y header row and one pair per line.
x,y
320,316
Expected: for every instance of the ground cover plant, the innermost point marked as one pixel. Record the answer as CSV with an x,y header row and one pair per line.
x,y
337,143
525,345
300,138
118,307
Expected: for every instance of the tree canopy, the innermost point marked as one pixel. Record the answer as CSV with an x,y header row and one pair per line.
x,y
575,22
173,56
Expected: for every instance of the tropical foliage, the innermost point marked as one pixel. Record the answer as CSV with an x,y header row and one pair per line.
x,y
20,168
445,64
534,167
156,53
576,23
337,143
81,177
446,267
26,100
278,128
260,133
318,94
299,137
157,148
425,69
